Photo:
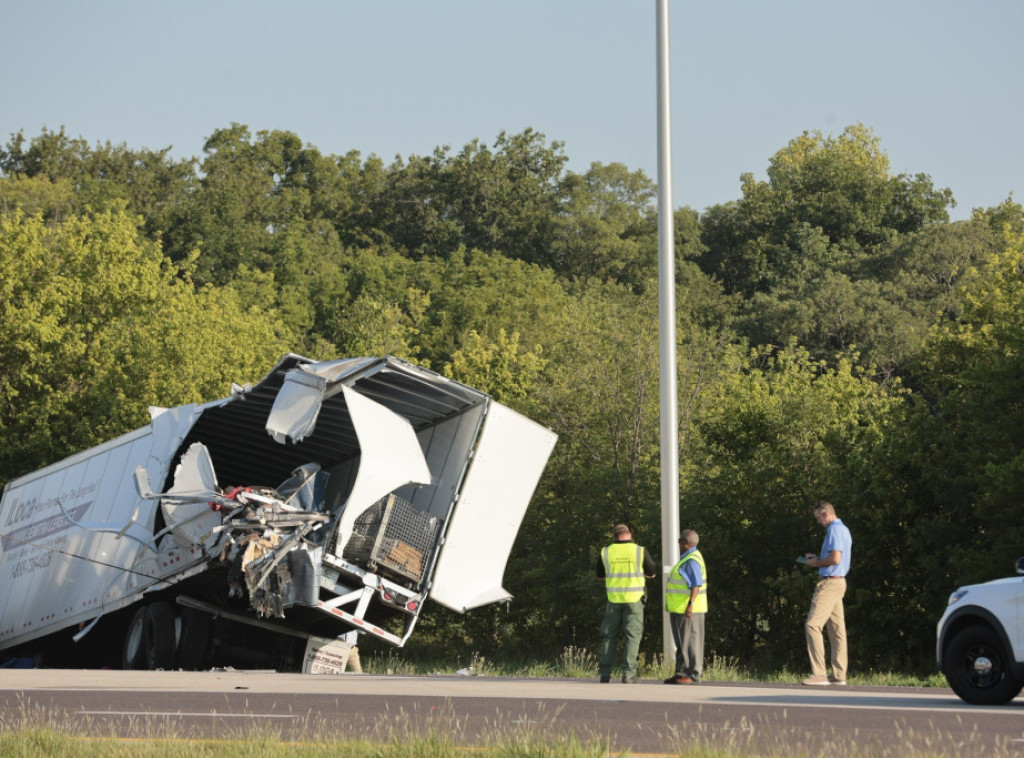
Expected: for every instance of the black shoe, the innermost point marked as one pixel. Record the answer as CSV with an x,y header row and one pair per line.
x,y
605,679
677,679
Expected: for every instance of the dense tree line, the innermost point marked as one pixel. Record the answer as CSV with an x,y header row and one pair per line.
x,y
838,337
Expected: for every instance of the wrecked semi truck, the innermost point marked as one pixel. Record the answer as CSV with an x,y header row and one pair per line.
x,y
329,497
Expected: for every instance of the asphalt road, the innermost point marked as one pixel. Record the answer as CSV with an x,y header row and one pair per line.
x,y
648,718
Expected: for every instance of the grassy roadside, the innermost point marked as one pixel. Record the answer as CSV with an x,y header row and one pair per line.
x,y
35,741
32,742
37,733
575,663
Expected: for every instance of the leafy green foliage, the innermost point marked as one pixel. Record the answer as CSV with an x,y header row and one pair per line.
x,y
608,229
95,326
773,438
499,368
837,337
803,248
502,199
976,378
150,183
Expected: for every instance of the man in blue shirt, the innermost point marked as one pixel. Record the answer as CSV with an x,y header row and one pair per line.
x,y
833,565
686,600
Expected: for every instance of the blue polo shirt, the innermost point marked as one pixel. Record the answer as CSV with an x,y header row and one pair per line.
x,y
837,537
690,571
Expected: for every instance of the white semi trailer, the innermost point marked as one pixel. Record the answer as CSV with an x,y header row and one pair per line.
x,y
329,497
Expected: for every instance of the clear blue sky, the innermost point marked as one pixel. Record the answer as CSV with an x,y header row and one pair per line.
x,y
939,81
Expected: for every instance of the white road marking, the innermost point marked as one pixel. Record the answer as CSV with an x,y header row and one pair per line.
x,y
187,713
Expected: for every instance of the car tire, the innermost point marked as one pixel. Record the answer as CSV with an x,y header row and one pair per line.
x,y
977,667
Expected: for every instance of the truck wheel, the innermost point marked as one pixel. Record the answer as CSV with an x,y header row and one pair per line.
x,y
978,668
160,636
195,636
135,651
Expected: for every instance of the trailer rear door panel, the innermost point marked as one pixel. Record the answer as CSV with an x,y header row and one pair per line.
x,y
506,466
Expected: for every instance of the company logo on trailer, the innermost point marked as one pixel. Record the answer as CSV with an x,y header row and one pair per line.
x,y
40,530
23,509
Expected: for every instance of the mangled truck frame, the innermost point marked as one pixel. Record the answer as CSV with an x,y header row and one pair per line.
x,y
329,497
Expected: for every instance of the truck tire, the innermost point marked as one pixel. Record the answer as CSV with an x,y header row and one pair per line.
x,y
978,668
135,652
195,636
160,636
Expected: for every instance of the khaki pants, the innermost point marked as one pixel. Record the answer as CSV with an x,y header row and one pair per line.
x,y
827,611
353,661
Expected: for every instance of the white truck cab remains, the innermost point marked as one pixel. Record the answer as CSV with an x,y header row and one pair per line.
x,y
980,640
331,496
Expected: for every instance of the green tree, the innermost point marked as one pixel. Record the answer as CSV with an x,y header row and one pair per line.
x,y
816,252
95,326
608,226
52,199
828,203
485,293
599,392
150,182
1005,218
251,191
501,199
971,445
774,435
499,368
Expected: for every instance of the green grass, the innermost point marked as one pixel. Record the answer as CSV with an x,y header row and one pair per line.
x,y
577,663
33,741
36,731
42,742
29,743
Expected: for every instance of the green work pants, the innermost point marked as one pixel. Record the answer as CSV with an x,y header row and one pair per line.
x,y
627,618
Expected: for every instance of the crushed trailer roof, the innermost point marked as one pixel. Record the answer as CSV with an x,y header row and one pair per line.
x,y
236,435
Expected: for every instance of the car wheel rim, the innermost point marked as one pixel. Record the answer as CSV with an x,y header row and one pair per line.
x,y
983,667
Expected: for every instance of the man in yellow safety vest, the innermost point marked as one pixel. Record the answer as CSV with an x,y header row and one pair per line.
x,y
686,600
624,566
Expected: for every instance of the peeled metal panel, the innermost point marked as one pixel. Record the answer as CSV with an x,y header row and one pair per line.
x,y
186,505
300,398
390,457
508,462
296,406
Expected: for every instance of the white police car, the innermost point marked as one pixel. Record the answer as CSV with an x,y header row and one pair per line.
x,y
980,640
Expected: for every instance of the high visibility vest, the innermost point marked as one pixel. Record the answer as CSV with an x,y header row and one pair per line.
x,y
623,572
677,591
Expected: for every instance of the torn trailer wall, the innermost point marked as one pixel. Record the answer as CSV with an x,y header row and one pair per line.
x,y
329,496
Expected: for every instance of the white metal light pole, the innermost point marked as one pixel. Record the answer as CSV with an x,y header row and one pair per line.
x,y
667,328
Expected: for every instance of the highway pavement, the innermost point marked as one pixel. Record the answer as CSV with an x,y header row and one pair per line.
x,y
648,718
